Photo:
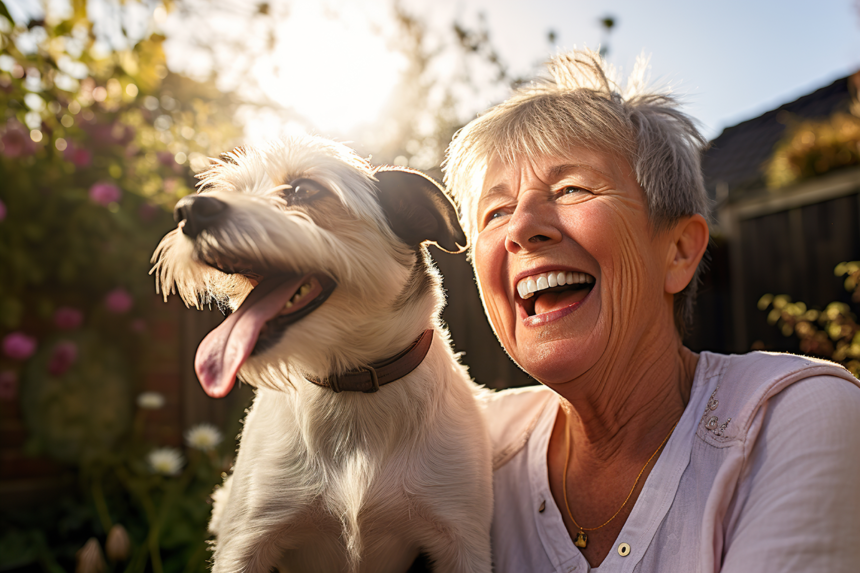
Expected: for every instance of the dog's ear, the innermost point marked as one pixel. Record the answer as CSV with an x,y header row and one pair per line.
x,y
418,209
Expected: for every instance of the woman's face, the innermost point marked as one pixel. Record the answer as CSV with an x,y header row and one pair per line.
x,y
576,229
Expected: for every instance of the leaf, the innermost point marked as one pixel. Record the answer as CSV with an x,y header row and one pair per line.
x,y
5,12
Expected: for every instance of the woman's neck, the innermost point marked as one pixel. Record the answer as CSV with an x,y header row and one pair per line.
x,y
618,410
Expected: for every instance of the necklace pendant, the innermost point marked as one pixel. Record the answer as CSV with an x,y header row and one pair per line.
x,y
581,540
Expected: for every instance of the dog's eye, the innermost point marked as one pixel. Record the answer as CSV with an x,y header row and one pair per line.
x,y
303,190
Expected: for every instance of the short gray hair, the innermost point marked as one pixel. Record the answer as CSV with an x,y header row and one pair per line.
x,y
580,102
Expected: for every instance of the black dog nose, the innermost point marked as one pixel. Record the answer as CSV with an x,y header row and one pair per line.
x,y
199,212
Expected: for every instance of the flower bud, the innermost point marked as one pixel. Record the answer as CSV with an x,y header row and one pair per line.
x,y
89,558
118,545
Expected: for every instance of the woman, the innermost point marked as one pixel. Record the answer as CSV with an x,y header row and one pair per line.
x,y
586,210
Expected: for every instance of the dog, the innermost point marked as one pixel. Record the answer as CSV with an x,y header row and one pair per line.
x,y
364,446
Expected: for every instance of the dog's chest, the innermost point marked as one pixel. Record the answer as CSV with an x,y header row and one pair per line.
x,y
339,463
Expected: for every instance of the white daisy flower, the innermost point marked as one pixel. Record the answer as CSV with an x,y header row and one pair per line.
x,y
166,461
203,437
150,400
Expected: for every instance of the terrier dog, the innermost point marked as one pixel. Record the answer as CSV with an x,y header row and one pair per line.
x,y
364,445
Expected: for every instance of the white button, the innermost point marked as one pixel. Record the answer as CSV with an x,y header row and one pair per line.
x,y
624,550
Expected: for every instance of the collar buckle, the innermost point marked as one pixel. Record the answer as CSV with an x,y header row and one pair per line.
x,y
374,380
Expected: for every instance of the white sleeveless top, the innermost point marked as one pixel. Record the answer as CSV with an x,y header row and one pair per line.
x,y
761,474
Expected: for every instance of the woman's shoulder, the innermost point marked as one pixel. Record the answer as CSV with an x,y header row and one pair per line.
x,y
511,417
740,385
791,425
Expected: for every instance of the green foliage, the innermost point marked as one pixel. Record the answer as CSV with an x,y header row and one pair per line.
x,y
83,413
832,333
814,147
96,147
165,516
127,124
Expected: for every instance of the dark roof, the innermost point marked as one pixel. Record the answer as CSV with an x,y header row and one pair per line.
x,y
736,157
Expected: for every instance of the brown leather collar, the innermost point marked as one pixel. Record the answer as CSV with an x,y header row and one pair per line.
x,y
368,379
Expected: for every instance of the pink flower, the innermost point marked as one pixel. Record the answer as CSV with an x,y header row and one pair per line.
x,y
19,346
118,301
105,193
78,156
2,210
64,355
16,141
68,318
138,325
8,385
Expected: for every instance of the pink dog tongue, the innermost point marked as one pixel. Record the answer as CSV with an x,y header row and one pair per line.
x,y
226,348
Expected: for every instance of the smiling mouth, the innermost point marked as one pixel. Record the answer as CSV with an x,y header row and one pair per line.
x,y
554,291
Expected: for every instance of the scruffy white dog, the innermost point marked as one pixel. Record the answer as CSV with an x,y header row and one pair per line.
x,y
364,446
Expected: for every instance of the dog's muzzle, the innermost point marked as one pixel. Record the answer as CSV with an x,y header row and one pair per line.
x,y
199,213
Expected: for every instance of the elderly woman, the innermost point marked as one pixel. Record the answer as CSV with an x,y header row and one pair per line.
x,y
587,215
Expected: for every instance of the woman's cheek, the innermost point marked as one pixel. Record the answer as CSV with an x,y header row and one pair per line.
x,y
633,280
490,270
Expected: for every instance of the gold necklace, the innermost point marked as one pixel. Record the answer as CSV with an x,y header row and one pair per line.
x,y
581,538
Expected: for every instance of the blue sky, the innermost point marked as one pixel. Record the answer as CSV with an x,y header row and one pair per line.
x,y
730,60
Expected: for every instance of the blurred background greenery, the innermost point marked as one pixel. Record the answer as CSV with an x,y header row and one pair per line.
x,y
108,448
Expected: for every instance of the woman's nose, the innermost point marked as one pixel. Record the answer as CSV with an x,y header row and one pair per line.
x,y
532,225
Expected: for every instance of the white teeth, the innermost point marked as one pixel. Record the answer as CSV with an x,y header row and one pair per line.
x,y
530,285
288,304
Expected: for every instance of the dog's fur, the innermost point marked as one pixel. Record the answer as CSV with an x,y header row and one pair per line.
x,y
347,481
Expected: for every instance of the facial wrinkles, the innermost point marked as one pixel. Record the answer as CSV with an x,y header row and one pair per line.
x,y
520,191
506,191
628,272
497,274
630,353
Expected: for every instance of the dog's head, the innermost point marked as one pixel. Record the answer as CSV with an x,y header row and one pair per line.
x,y
317,256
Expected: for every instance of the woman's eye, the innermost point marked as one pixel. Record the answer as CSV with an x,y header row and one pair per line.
x,y
491,216
497,214
571,189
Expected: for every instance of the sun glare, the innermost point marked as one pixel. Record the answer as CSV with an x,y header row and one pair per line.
x,y
331,66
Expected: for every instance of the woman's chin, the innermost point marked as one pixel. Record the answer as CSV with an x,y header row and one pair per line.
x,y
562,342
559,360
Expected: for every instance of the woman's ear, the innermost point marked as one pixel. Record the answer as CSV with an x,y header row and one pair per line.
x,y
689,241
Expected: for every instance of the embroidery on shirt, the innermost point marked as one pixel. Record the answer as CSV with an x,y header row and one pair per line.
x,y
712,423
